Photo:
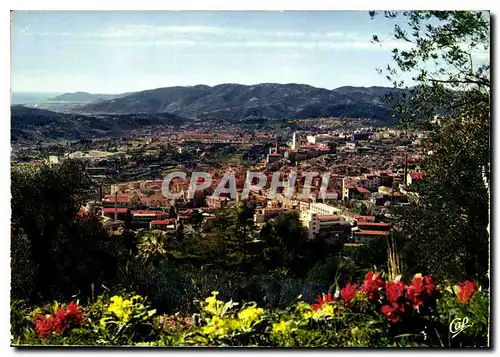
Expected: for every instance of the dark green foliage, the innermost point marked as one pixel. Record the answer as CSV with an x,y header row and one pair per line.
x,y
284,240
372,253
446,229
55,252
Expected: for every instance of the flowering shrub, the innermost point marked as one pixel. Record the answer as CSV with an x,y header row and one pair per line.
x,y
220,323
372,285
348,293
122,310
322,300
125,319
62,319
376,313
466,290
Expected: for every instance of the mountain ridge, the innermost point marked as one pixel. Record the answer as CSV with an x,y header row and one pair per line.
x,y
31,124
81,96
239,102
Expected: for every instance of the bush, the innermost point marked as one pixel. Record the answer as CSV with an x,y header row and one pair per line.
x,y
376,313
58,251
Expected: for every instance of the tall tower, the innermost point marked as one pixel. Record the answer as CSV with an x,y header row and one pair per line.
x,y
116,205
405,179
294,141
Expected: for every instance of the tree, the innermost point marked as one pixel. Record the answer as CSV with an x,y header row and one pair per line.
x,y
172,213
284,239
68,251
152,244
447,229
197,218
129,217
180,231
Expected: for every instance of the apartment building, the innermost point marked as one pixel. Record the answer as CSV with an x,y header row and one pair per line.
x,y
331,227
323,209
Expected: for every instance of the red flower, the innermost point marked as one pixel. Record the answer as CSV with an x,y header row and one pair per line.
x,y
391,313
416,291
466,290
322,299
395,312
417,285
394,291
74,313
58,322
373,282
430,287
44,325
420,286
348,292
61,323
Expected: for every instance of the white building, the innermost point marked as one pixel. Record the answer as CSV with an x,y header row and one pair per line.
x,y
333,228
294,141
311,139
53,160
323,209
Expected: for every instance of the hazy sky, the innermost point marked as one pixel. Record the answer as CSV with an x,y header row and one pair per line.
x,y
114,52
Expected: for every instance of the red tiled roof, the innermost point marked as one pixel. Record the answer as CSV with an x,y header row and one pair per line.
x,y
161,222
362,189
417,175
349,186
147,212
112,210
373,224
119,198
372,233
365,218
329,217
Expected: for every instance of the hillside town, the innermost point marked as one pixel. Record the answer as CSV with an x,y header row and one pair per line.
x,y
370,171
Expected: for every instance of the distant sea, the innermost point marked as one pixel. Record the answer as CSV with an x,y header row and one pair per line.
x,y
31,97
